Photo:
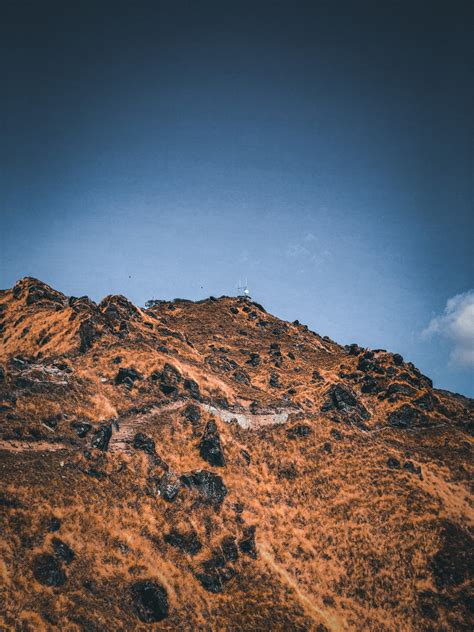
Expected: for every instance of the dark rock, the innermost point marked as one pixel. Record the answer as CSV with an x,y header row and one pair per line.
x,y
192,414
117,360
127,375
143,442
23,382
169,487
254,359
336,434
343,400
234,310
245,455
101,437
81,428
414,469
96,473
210,447
210,486
187,542
274,380
327,447
366,364
316,376
301,430
193,388
254,408
400,389
242,376
397,359
229,549
393,463
427,401
47,570
453,563
52,421
288,472
54,524
150,601
370,385
353,349
407,417
87,335
247,543
169,380
2,374
63,551
214,574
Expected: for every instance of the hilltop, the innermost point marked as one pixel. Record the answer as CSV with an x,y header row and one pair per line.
x,y
207,466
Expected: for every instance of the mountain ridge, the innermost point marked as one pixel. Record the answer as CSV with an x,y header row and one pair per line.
x,y
222,460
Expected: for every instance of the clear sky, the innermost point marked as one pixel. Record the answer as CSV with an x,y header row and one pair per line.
x,y
323,150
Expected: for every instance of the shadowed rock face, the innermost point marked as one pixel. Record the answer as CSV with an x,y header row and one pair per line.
x,y
47,570
210,447
150,601
207,466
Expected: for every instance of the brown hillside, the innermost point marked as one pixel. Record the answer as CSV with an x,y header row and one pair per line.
x,y
207,466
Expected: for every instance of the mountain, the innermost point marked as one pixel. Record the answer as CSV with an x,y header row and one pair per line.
x,y
207,466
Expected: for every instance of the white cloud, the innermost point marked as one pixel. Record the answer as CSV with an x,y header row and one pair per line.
x,y
457,324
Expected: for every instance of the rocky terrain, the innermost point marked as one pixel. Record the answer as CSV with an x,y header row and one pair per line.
x,y
207,466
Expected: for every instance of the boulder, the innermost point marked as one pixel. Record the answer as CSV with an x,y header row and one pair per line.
x,y
343,400
298,431
81,428
169,487
254,359
229,549
47,570
274,381
170,380
87,335
396,389
247,542
150,601
101,437
193,388
143,442
407,417
427,401
210,447
63,551
370,385
192,414
413,469
210,486
214,574
127,376
353,349
185,541
393,463
242,376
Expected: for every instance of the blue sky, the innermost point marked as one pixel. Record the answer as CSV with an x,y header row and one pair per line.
x,y
323,153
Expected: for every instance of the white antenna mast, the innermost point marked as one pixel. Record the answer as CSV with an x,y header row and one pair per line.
x,y
243,289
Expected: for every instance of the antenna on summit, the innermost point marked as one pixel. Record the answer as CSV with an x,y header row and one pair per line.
x,y
243,290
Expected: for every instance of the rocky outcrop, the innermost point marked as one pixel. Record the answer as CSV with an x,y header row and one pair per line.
x,y
210,447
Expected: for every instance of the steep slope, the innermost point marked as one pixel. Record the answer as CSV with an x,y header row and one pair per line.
x,y
205,465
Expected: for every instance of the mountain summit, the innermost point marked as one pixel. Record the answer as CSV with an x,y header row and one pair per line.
x,y
207,466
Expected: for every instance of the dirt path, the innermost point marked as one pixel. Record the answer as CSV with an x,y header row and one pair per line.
x,y
122,438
